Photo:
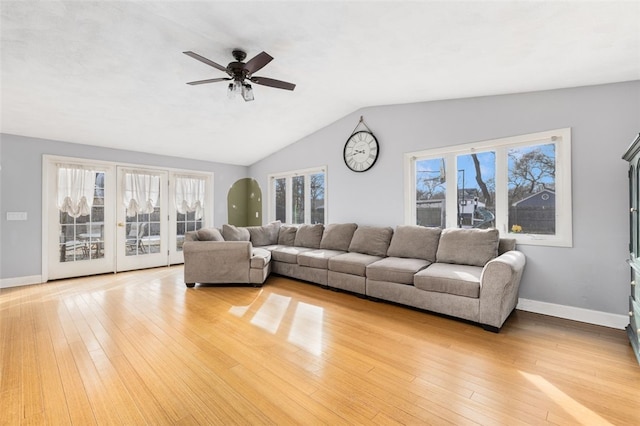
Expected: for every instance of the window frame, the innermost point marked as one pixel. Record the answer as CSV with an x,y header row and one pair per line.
x,y
562,140
307,173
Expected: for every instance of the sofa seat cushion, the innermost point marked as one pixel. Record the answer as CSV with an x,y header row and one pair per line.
x,y
260,257
318,258
288,254
396,269
352,263
460,280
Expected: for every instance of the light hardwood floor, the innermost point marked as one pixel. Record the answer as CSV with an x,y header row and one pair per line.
x,y
141,348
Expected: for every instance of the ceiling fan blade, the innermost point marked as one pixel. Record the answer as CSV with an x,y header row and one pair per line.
x,y
205,60
211,80
273,83
257,62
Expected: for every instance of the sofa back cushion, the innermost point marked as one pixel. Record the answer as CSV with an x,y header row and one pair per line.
x,y
506,244
287,235
467,246
264,235
235,233
415,242
209,234
372,240
337,236
309,236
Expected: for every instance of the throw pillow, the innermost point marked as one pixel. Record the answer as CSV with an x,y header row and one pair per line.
x,y
468,246
309,236
234,233
264,235
416,242
371,240
209,234
337,236
287,235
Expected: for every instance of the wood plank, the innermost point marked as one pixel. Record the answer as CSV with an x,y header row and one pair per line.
x,y
141,348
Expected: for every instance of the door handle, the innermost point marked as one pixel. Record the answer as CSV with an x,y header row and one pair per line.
x,y
120,224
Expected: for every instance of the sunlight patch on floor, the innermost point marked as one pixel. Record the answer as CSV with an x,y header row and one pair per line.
x,y
270,314
307,322
579,412
306,328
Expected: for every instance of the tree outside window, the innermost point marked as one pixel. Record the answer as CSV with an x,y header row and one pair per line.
x,y
532,189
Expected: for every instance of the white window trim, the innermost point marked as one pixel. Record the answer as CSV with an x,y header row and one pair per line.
x,y
289,192
564,233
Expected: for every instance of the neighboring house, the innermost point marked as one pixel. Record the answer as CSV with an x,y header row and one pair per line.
x,y
535,213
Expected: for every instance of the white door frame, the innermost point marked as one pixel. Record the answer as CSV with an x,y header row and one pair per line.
x,y
50,215
48,200
126,260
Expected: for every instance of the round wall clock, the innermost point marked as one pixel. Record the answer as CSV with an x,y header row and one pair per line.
x,y
361,151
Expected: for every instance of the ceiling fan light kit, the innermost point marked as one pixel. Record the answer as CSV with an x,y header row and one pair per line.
x,y
239,71
239,88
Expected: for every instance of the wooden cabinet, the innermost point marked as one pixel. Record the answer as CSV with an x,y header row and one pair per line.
x,y
633,157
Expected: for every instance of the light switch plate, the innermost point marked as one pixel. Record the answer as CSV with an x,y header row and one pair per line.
x,y
16,215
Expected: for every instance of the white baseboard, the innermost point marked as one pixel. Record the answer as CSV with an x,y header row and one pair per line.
x,y
19,281
572,313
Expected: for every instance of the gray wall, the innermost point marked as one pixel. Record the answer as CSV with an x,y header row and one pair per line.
x,y
21,190
604,120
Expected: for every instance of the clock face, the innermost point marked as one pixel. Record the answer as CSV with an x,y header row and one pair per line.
x,y
361,151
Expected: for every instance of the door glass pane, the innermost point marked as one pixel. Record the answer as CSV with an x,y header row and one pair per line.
x,y
430,192
317,198
82,238
532,185
476,190
281,199
297,188
142,198
189,195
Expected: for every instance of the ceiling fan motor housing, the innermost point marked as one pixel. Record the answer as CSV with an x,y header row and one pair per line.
x,y
237,70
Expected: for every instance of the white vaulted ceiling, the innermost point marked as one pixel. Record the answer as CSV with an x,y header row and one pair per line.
x,y
113,74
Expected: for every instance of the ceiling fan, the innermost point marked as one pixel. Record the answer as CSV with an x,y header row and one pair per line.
x,y
239,71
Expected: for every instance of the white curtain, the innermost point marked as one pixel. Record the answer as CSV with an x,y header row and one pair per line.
x,y
190,194
141,192
76,186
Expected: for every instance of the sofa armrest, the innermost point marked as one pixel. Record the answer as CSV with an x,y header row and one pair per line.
x,y
216,261
499,284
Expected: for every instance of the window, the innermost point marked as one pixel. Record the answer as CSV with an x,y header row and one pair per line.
x,y
190,201
520,185
298,197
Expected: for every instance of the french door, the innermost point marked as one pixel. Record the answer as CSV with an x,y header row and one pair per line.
x,y
142,215
137,217
78,243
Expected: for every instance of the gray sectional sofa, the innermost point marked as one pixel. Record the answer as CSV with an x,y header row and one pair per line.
x,y
465,273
